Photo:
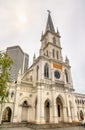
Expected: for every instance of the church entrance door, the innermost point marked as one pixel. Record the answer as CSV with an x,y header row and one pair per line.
x,y
24,111
6,117
59,109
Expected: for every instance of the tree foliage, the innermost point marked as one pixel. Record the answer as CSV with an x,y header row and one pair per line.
x,y
5,64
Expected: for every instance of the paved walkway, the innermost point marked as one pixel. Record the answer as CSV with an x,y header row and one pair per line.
x,y
20,128
25,128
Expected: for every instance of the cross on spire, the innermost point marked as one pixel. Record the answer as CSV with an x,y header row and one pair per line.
x,y
49,11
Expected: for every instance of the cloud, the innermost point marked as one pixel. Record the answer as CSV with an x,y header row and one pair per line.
x,y
67,15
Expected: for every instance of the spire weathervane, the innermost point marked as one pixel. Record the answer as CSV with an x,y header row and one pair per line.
x,y
49,11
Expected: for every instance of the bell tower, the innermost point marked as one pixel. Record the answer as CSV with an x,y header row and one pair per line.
x,y
50,41
58,70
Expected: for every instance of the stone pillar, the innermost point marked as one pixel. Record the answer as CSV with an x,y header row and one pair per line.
x,y
55,114
75,112
52,75
68,107
38,105
51,113
15,116
55,117
69,111
65,113
33,111
20,114
42,118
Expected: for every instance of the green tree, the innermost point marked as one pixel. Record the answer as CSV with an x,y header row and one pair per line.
x,y
5,64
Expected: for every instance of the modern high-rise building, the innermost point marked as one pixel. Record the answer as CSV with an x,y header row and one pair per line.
x,y
45,92
20,61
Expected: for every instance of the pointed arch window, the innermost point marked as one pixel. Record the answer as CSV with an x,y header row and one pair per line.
x,y
57,54
37,72
54,40
53,51
58,110
47,52
66,75
46,70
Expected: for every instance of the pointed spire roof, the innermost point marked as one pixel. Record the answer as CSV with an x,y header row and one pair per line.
x,y
49,25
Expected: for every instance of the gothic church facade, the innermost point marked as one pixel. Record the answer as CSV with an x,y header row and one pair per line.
x,y
45,93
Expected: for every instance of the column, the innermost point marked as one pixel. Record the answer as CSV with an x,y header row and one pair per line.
x,y
15,116
69,111
65,113
38,105
55,114
52,75
68,108
42,118
75,112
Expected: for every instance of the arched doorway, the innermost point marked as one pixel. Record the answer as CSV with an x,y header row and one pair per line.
x,y
59,109
24,111
81,115
6,117
47,111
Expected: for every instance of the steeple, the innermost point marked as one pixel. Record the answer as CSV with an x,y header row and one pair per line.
x,y
49,25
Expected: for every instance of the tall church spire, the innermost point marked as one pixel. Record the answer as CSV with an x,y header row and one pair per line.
x,y
49,25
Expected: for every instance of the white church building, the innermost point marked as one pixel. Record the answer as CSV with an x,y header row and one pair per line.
x,y
45,92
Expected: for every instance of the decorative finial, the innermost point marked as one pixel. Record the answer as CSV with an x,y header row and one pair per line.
x,y
58,31
67,60
49,11
34,58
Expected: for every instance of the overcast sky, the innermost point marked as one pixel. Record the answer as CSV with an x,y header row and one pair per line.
x,y
22,23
